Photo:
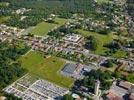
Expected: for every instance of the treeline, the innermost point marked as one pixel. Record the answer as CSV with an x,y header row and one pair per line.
x,y
10,69
11,97
29,21
130,7
105,79
59,7
5,10
41,9
64,8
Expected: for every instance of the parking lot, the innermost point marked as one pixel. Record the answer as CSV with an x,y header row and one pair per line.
x,y
29,88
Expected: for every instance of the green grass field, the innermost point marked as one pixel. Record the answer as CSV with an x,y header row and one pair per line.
x,y
46,68
120,54
3,19
103,1
103,40
43,28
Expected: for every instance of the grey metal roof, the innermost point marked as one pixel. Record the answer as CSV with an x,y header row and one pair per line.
x,y
69,68
87,67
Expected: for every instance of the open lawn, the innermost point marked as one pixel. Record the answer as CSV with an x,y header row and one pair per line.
x,y
43,28
46,68
60,21
3,19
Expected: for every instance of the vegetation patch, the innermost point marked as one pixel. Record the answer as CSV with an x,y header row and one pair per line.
x,y
46,68
4,4
102,40
43,28
120,54
3,18
10,69
130,78
103,1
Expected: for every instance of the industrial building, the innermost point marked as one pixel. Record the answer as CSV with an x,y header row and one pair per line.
x,y
75,70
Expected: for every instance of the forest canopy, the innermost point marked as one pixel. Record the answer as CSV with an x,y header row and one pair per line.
x,y
9,68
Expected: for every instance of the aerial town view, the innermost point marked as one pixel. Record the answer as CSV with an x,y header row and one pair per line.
x,y
66,49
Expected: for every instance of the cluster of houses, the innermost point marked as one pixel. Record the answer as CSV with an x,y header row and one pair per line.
x,y
129,67
84,23
10,30
69,43
22,10
7,32
121,90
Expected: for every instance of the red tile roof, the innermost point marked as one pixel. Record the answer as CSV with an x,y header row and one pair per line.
x,y
112,96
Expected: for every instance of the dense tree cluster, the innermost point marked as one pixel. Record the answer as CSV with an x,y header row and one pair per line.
x,y
61,31
68,97
5,10
130,78
10,69
104,77
41,9
115,45
28,21
130,7
11,97
91,43
108,63
131,43
60,7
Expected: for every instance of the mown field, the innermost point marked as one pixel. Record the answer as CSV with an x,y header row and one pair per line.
x,y
46,68
43,28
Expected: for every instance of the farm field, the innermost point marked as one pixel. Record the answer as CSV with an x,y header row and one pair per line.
x,y
43,28
46,68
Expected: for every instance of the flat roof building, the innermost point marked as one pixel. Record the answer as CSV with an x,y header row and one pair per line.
x,y
112,96
75,70
131,97
74,38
